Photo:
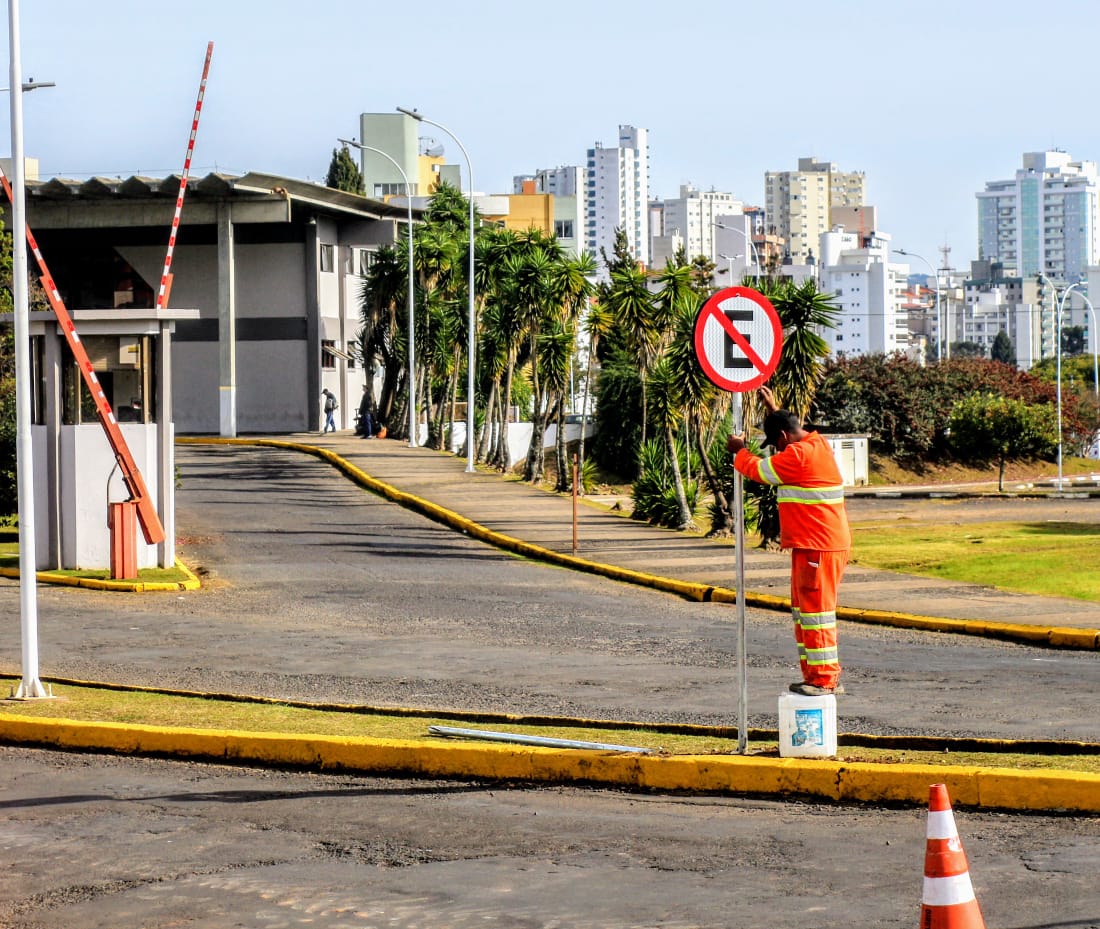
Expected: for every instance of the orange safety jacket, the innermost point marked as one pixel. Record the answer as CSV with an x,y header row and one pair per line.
x,y
811,493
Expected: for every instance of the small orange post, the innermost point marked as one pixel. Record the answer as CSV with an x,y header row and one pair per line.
x,y
122,521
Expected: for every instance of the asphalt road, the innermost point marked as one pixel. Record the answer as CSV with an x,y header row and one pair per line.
x,y
121,843
317,590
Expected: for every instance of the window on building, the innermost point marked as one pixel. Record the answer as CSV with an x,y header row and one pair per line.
x,y
328,257
328,356
563,228
123,366
353,353
366,259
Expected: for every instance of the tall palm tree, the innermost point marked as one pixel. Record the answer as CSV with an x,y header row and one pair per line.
x,y
804,312
667,415
576,289
704,407
631,302
598,322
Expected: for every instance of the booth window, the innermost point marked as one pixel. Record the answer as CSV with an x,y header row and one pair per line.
x,y
124,367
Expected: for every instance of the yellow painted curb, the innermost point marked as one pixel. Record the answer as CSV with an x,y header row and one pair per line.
x,y
1056,636
992,788
190,581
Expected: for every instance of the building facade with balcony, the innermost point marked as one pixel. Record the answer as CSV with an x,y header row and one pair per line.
x,y
1044,219
869,290
799,204
617,195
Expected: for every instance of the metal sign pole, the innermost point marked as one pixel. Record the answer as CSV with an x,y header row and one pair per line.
x,y
738,339
739,543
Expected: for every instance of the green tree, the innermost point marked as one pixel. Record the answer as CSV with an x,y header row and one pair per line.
x,y
804,312
618,412
904,408
985,427
1002,349
1073,340
967,350
596,323
632,304
439,263
343,172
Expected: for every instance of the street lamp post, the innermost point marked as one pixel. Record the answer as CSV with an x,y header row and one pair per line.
x,y
936,279
471,348
1058,368
414,420
748,238
731,259
30,686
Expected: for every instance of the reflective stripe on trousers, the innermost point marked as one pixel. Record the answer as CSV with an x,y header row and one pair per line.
x,y
815,581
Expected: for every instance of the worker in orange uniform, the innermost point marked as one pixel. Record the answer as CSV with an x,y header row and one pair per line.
x,y
813,524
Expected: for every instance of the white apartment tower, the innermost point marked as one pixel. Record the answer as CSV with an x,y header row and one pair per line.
x,y
695,215
798,204
1042,220
617,195
869,290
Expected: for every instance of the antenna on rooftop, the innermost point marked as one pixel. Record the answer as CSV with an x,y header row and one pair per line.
x,y
945,250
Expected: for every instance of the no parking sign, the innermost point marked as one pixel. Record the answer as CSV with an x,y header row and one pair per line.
x,y
738,339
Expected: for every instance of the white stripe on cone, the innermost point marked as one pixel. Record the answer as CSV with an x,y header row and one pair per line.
x,y
941,825
947,891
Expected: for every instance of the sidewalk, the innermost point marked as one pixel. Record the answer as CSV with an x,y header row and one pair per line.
x,y
508,507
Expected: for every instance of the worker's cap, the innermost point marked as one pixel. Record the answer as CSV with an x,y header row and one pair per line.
x,y
778,422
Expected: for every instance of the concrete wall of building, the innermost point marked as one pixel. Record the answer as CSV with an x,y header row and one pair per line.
x,y
530,211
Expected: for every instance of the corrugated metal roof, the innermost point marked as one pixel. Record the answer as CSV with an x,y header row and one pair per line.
x,y
254,185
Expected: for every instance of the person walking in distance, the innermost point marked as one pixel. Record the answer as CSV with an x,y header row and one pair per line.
x,y
366,423
330,406
813,524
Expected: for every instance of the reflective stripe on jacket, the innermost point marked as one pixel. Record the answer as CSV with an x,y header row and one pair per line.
x,y
810,491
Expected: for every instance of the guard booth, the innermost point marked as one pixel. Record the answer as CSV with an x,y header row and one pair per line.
x,y
82,515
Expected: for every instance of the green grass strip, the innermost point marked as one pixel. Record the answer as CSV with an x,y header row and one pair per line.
x,y
92,703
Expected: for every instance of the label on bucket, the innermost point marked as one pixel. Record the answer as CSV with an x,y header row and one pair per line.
x,y
809,727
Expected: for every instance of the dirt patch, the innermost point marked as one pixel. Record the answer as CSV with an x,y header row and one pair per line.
x,y
888,471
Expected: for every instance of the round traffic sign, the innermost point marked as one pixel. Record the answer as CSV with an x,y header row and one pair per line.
x,y
738,339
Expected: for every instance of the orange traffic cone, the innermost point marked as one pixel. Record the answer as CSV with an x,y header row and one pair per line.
x,y
948,901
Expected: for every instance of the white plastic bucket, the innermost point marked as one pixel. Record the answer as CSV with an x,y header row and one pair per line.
x,y
807,726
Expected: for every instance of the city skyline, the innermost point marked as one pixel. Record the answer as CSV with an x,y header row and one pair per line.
x,y
930,101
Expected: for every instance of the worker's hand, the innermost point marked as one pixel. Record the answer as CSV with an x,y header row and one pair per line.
x,y
735,443
767,398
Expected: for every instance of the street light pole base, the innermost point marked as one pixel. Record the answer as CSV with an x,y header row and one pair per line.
x,y
32,689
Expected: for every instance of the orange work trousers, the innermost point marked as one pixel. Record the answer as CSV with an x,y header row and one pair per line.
x,y
815,581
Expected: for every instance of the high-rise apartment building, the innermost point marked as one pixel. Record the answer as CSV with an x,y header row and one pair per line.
x,y
617,195
694,216
996,301
799,203
869,289
1042,220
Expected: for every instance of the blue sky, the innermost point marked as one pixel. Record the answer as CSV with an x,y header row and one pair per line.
x,y
930,99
